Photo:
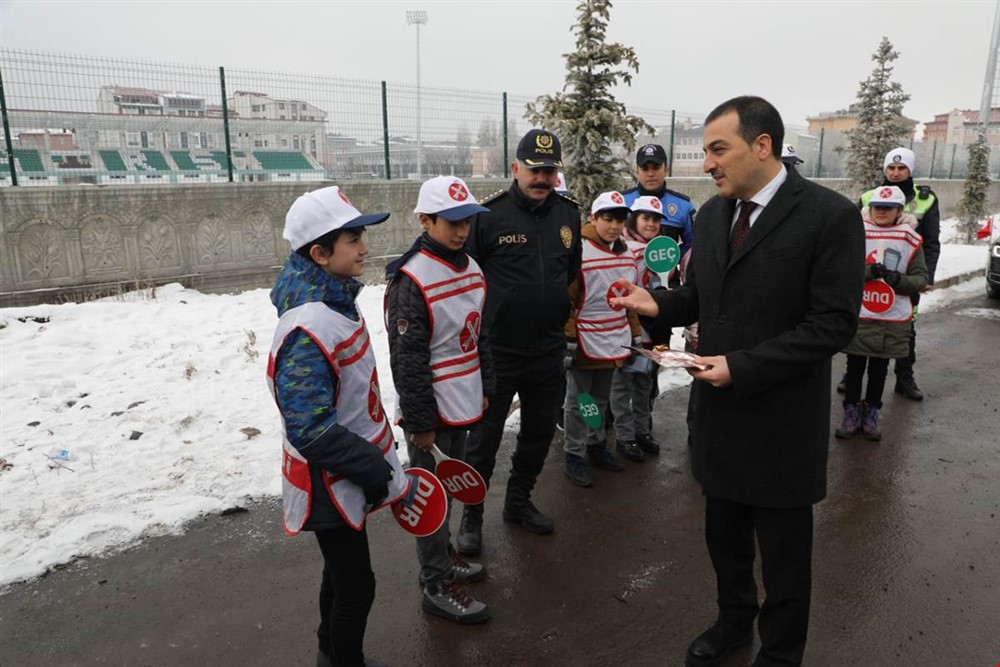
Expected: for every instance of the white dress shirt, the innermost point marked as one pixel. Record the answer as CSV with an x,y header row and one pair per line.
x,y
762,198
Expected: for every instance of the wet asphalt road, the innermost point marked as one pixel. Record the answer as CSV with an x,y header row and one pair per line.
x,y
906,566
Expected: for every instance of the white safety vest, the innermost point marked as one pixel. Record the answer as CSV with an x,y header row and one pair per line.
x,y
894,247
358,402
601,329
454,299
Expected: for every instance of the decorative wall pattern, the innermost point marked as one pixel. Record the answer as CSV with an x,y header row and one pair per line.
x,y
219,237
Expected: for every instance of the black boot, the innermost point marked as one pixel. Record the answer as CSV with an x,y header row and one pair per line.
x,y
517,507
907,386
470,532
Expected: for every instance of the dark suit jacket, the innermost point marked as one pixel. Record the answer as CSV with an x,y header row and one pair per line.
x,y
779,309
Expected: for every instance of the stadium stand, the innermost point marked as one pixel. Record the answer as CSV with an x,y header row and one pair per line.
x,y
283,161
27,160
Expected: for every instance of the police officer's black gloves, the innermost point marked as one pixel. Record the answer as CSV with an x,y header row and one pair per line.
x,y
892,278
876,270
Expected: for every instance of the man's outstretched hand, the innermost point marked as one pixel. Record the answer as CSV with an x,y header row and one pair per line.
x,y
636,299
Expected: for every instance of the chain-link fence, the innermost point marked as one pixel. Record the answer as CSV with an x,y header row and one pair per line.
x,y
76,119
84,119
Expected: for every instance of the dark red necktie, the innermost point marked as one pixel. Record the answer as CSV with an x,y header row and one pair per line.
x,y
742,225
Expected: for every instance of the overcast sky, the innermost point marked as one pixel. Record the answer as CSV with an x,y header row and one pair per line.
x,y
804,56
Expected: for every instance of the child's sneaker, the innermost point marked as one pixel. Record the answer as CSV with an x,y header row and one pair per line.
x,y
578,471
647,443
601,458
869,424
449,600
464,571
851,422
631,451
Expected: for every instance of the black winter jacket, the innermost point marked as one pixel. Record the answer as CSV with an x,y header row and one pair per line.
x,y
529,254
409,352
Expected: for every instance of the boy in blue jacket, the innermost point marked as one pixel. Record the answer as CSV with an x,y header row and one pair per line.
x,y
339,457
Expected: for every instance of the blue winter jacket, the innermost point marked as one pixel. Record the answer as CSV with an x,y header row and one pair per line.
x,y
306,388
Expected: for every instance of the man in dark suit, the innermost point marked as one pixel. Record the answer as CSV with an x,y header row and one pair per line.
x,y
776,286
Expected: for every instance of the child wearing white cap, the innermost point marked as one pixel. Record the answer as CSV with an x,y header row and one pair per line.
x,y
442,369
599,334
895,269
922,203
633,382
339,461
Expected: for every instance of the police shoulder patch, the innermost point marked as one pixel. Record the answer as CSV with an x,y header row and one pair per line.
x,y
493,197
569,200
678,194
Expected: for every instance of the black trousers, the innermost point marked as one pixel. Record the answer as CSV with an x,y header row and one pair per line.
x,y
539,382
877,371
904,365
346,594
785,539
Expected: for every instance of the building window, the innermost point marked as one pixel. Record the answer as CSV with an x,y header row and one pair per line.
x,y
184,140
131,139
281,105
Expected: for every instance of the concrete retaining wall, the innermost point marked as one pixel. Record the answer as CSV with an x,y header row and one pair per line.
x,y
73,243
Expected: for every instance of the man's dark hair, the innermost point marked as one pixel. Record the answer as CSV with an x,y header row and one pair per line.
x,y
757,116
326,241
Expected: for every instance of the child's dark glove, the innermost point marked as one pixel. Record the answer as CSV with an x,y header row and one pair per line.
x,y
892,278
876,270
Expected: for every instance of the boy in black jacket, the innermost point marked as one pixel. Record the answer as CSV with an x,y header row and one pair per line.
x,y
441,367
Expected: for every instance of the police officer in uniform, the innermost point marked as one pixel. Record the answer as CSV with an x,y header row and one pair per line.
x,y
651,180
528,246
923,204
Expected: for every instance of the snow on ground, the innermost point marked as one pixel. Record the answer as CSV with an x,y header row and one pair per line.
x,y
124,417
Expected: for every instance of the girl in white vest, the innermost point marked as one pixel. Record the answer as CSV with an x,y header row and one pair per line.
x,y
339,462
599,335
442,369
895,270
633,382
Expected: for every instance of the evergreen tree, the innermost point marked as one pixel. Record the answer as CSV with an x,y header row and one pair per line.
x,y
972,208
589,121
881,126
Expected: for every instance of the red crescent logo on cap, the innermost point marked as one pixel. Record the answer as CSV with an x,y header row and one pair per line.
x,y
458,192
885,193
655,203
343,197
617,198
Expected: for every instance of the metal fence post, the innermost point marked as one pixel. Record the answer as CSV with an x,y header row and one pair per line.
x,y
951,169
670,155
506,155
225,124
933,155
819,158
6,134
385,133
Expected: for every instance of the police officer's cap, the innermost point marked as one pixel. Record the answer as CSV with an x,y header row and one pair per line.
x,y
540,148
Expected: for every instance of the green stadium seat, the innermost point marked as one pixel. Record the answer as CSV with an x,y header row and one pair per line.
x,y
283,161
156,160
183,160
113,161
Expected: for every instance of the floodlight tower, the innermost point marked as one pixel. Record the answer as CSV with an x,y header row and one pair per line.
x,y
418,17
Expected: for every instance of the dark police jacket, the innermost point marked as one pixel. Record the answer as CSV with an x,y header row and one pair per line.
x,y
529,254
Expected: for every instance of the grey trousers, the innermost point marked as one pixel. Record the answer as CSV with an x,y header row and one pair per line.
x,y
434,551
630,404
579,436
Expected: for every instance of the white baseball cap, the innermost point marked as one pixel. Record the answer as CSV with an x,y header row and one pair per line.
x,y
448,197
648,204
888,196
561,183
609,201
322,211
902,156
788,155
